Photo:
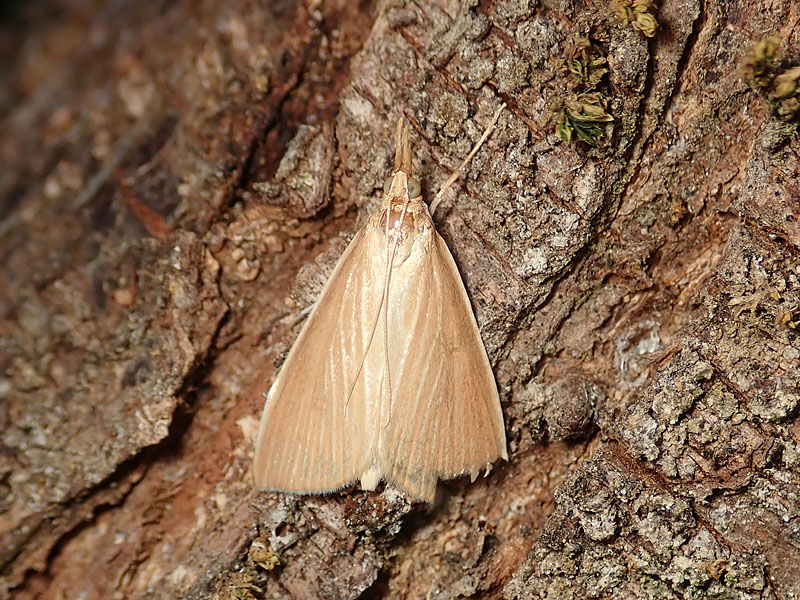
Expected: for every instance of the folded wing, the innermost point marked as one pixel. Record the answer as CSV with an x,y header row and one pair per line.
x,y
444,413
316,431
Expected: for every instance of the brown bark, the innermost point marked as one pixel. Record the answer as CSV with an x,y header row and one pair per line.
x,y
179,177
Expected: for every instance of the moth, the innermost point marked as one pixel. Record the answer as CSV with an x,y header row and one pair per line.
x,y
388,378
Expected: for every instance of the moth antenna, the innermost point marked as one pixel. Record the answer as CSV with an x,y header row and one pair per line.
x,y
385,305
438,198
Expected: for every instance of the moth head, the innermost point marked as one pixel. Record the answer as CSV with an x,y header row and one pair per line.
x,y
404,185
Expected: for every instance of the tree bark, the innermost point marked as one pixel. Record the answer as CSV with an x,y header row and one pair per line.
x,y
180,177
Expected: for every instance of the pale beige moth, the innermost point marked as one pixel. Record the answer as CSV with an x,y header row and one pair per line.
x,y
388,378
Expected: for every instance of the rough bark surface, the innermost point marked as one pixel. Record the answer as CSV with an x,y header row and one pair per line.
x,y
180,176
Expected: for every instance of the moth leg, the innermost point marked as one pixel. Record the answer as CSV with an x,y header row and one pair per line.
x,y
301,316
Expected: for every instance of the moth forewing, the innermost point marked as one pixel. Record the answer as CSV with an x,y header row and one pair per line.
x,y
315,434
445,411
389,378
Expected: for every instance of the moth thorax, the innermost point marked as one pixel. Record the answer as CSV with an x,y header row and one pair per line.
x,y
393,215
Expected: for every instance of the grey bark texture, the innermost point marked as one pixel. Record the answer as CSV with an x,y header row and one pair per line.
x,y
180,177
